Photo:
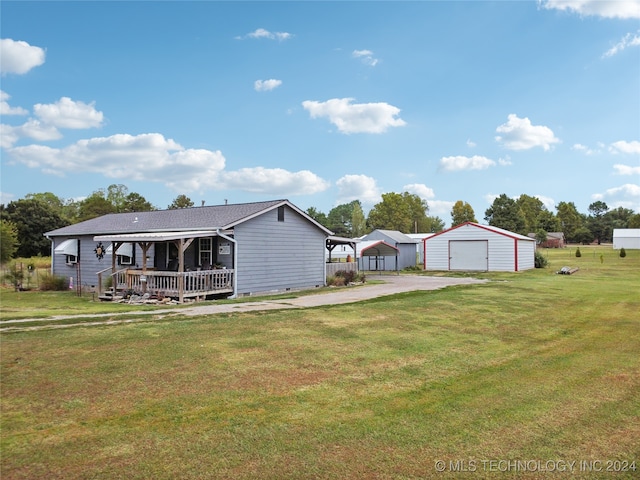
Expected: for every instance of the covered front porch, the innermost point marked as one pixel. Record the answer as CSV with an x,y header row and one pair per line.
x,y
173,276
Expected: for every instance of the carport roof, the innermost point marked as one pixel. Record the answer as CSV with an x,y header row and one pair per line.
x,y
377,248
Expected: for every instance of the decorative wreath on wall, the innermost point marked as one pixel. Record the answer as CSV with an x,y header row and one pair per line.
x,y
100,250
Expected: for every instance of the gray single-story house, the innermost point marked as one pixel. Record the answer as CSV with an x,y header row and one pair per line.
x,y
406,255
233,249
473,247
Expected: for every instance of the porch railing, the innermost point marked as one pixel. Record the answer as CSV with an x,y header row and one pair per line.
x,y
173,284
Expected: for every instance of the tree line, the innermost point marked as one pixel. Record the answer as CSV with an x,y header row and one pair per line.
x,y
23,222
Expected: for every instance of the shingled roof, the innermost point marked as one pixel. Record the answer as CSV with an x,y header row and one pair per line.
x,y
176,220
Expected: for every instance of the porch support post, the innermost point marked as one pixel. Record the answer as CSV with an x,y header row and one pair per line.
x,y
145,247
180,270
235,261
183,244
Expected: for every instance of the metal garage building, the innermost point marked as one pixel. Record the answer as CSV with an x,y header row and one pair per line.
x,y
627,238
473,247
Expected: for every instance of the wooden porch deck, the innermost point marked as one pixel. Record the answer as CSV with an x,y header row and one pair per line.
x,y
172,284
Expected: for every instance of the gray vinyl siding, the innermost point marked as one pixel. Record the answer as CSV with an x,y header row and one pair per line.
x,y
275,255
89,265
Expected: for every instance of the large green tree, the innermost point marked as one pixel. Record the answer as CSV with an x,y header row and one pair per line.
x,y
95,205
134,202
597,221
32,219
548,222
619,217
358,221
531,208
404,212
181,201
67,209
8,240
570,220
433,225
339,219
505,213
116,195
462,212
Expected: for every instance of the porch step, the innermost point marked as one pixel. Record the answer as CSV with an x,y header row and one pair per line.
x,y
107,296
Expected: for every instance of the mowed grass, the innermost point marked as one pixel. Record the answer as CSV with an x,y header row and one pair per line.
x,y
531,368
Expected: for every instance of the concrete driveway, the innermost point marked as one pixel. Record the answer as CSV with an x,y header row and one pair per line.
x,y
392,284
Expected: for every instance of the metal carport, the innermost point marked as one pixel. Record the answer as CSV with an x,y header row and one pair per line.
x,y
376,251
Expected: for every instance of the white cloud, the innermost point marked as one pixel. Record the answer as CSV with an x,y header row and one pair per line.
x,y
629,40
584,149
519,134
366,56
356,117
440,208
275,181
266,85
261,33
67,113
625,147
357,187
8,135
419,189
151,157
548,202
627,196
6,197
6,109
598,8
490,197
38,130
470,143
460,162
148,157
505,162
626,169
19,57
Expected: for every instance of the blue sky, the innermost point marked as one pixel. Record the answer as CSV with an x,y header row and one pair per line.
x,y
323,103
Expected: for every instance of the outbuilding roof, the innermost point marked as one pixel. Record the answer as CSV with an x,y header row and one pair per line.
x,y
626,232
500,231
396,236
377,248
216,217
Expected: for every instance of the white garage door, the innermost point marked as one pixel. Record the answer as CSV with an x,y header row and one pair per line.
x,y
469,255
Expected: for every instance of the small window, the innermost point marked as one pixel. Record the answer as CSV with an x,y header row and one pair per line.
x,y
281,213
126,254
206,252
125,260
72,259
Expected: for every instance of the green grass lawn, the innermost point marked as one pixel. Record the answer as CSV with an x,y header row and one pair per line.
x,y
522,375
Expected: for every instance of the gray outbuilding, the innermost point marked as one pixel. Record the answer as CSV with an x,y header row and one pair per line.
x,y
406,252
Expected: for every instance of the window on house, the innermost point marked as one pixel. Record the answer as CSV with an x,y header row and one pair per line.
x,y
281,213
70,249
125,253
206,252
